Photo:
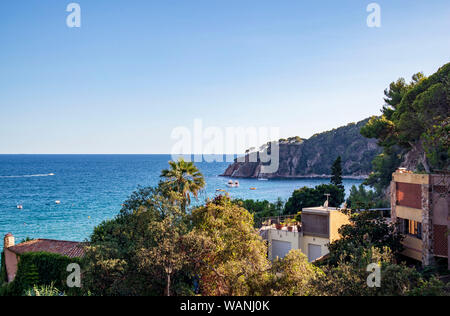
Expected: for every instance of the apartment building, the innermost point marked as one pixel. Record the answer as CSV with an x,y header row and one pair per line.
x,y
420,208
318,229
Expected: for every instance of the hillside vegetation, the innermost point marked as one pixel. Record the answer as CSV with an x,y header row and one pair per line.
x,y
314,156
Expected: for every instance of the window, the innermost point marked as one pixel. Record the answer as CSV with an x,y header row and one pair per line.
x,y
412,228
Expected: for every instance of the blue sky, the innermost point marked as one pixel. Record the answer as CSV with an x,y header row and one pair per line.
x,y
137,69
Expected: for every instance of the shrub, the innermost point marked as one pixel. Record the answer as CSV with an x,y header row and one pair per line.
x,y
3,274
44,290
40,269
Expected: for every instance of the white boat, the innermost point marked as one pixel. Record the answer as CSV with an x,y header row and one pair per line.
x,y
51,174
19,206
57,202
232,184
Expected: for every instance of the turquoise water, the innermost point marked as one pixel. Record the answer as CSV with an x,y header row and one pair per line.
x,y
91,188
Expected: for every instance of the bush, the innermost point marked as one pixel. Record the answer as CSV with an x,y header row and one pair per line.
x,y
3,274
432,287
262,209
309,197
7,289
44,290
41,269
362,199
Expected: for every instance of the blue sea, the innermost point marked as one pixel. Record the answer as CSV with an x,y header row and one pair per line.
x,y
92,188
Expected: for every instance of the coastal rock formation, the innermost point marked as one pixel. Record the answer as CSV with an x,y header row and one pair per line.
x,y
313,157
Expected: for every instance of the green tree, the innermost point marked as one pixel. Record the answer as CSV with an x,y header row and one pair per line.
x,y
336,172
362,199
184,177
384,165
410,115
293,276
431,287
44,290
437,144
367,229
311,197
3,273
172,250
31,276
131,254
262,209
236,263
349,276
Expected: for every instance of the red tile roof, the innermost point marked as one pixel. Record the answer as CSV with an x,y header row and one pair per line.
x,y
70,249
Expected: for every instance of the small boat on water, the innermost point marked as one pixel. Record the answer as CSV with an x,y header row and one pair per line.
x,y
57,202
232,184
19,206
252,188
51,174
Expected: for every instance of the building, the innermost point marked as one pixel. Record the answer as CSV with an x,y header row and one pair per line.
x,y
12,251
420,208
318,229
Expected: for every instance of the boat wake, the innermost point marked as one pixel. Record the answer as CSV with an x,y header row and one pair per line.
x,y
28,176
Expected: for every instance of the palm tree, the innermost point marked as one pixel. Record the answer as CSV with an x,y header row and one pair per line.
x,y
184,178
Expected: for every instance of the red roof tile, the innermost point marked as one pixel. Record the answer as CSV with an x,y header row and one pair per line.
x,y
70,249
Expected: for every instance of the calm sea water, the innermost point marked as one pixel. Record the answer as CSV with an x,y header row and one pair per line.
x,y
91,188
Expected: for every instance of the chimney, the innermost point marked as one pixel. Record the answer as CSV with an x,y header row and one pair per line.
x,y
9,240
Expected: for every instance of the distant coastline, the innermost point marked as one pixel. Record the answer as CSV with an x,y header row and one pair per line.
x,y
299,177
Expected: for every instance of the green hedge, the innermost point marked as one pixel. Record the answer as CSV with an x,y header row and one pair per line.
x,y
42,268
3,274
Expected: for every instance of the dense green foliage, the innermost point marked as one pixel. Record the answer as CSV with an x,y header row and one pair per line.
x,y
367,229
336,172
415,119
154,247
369,239
312,197
437,144
294,276
361,198
44,290
349,277
384,165
41,269
236,261
127,255
3,273
262,209
294,139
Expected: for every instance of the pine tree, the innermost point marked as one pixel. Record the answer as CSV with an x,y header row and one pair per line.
x,y
336,171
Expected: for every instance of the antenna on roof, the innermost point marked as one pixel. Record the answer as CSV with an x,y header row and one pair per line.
x,y
327,201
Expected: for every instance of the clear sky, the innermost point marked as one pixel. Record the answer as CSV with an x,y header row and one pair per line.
x,y
137,69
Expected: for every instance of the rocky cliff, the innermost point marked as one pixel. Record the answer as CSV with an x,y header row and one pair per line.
x,y
313,157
